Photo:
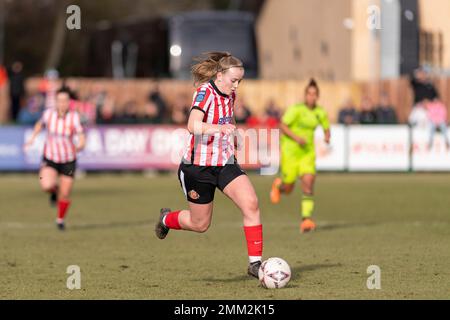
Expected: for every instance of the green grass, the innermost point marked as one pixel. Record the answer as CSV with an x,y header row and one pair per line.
x,y
400,222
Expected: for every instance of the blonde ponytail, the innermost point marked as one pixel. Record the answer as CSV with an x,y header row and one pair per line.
x,y
210,63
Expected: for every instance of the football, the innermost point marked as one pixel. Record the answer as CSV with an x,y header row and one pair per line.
x,y
274,273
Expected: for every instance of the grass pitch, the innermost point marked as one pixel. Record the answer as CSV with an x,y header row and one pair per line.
x,y
399,222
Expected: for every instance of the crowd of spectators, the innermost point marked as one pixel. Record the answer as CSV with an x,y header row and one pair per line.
x,y
383,113
99,107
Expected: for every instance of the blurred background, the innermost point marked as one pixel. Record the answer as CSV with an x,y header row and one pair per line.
x,y
383,66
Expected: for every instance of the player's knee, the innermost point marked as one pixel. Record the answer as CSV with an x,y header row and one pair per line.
x,y
252,204
202,226
46,187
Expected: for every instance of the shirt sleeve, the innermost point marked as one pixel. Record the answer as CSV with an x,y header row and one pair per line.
x,y
45,117
290,116
202,99
323,119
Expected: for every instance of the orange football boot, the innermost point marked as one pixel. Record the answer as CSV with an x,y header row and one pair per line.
x,y
275,194
307,225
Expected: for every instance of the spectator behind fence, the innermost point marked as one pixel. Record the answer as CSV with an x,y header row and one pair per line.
x,y
422,87
348,114
97,98
241,113
33,109
129,114
272,110
16,88
385,112
367,115
271,116
151,114
437,114
106,114
156,100
419,117
180,111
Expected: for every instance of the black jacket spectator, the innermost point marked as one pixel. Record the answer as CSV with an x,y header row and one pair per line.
x,y
16,88
422,87
367,115
155,99
348,114
241,112
385,113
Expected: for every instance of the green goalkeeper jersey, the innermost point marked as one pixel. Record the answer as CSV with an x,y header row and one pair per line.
x,y
303,121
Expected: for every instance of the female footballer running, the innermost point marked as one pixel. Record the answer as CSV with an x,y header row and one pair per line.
x,y
59,159
209,161
298,154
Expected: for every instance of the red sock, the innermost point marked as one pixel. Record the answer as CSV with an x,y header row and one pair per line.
x,y
171,220
254,238
63,205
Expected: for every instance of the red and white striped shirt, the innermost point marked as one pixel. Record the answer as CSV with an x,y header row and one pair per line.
x,y
213,149
59,146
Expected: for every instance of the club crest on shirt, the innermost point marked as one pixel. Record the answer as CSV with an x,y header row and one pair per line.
x,y
193,195
200,97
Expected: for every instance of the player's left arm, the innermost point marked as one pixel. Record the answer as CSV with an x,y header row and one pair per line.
x,y
79,130
325,123
81,142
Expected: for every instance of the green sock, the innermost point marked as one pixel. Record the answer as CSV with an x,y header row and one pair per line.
x,y
307,206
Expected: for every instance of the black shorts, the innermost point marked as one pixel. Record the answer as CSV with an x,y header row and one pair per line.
x,y
66,169
199,182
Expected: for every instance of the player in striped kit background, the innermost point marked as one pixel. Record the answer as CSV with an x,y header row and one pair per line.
x,y
209,161
60,152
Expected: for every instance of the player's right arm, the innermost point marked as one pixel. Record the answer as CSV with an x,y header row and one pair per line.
x,y
196,125
40,124
285,129
288,119
201,102
37,129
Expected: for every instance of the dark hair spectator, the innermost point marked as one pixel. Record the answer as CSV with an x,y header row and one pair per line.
x,y
367,115
16,88
180,111
272,110
106,113
348,114
32,110
151,114
97,98
241,112
422,86
130,113
155,100
385,112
